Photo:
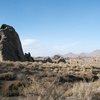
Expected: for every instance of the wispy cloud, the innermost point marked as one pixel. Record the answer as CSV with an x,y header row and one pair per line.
x,y
37,48
28,42
30,45
66,46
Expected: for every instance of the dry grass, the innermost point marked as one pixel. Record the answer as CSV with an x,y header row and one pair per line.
x,y
41,81
86,90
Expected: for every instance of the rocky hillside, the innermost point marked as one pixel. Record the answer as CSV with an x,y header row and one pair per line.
x,y
95,53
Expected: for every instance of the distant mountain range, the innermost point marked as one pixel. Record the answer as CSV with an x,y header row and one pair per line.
x,y
95,53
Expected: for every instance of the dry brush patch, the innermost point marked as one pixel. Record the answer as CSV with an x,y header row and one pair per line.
x,y
87,91
52,81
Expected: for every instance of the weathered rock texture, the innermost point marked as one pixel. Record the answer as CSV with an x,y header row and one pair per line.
x,y
61,60
29,57
10,45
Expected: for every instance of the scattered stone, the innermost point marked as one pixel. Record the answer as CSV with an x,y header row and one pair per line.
x,y
56,57
47,59
29,57
61,60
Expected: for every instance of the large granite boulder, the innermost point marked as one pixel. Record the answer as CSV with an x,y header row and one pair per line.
x,y
10,45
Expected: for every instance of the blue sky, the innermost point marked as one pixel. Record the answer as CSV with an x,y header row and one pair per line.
x,y
48,27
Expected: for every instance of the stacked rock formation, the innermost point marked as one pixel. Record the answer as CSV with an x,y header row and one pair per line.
x,y
29,57
10,45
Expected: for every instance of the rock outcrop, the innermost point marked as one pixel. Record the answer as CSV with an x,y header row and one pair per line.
x,y
10,45
29,57
61,60
56,57
47,59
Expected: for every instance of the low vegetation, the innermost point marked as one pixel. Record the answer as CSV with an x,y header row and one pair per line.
x,y
73,80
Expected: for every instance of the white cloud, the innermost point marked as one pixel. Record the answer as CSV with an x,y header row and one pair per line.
x,y
27,42
30,45
38,48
